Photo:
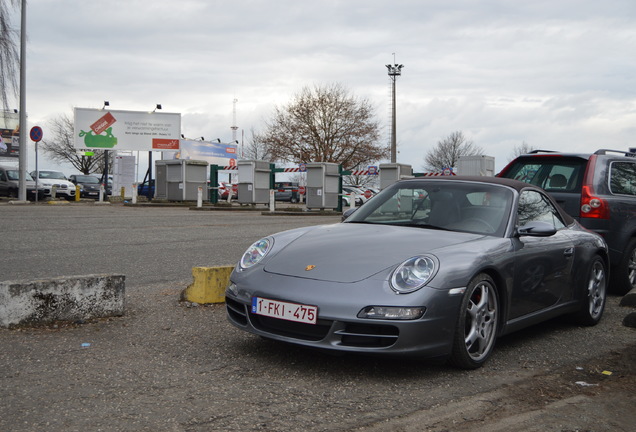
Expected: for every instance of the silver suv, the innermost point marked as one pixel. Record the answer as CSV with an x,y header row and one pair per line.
x,y
598,190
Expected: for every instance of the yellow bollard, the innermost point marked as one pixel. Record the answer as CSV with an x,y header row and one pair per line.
x,y
209,285
77,193
123,192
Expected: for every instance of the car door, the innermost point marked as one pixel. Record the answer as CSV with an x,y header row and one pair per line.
x,y
543,265
4,184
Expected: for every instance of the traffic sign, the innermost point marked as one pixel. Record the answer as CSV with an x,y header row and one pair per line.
x,y
368,194
301,190
36,134
302,167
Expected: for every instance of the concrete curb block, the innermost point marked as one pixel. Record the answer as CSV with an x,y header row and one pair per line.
x,y
629,299
69,298
209,285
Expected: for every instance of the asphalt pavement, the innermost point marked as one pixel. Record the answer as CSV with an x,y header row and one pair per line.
x,y
165,366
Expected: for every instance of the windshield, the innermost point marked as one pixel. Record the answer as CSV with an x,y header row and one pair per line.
x,y
86,179
436,204
15,175
52,175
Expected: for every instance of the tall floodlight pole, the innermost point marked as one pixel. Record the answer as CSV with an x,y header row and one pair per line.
x,y
22,160
395,70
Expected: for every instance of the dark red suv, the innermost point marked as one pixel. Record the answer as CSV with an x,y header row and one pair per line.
x,y
598,190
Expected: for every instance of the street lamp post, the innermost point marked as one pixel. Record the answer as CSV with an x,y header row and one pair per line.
x,y
395,70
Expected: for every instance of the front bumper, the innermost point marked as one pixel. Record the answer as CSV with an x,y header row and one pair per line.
x,y
338,327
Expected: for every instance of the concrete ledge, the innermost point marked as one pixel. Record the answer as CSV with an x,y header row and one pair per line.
x,y
209,285
61,299
629,299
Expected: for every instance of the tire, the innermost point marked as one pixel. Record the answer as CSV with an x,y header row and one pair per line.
x,y
593,294
477,324
13,193
293,200
624,276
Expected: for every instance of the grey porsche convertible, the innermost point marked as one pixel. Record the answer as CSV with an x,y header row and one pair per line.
x,y
436,267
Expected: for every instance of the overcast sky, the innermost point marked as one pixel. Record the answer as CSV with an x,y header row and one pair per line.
x,y
558,74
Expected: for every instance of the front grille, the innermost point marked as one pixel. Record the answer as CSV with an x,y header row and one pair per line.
x,y
368,335
310,332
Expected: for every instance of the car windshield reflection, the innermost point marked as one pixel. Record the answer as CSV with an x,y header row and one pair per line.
x,y
442,205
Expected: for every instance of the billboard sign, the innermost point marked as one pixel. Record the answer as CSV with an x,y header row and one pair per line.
x,y
10,133
126,130
211,152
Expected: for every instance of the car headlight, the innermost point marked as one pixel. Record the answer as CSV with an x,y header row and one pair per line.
x,y
413,274
255,253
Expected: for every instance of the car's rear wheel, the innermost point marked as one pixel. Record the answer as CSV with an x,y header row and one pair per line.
x,y
594,294
624,278
477,325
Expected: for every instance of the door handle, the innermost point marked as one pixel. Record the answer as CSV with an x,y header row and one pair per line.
x,y
568,252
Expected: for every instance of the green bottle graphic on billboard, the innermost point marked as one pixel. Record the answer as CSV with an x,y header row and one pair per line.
x,y
101,141
94,137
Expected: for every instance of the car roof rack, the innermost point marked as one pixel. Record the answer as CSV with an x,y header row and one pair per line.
x,y
623,152
542,151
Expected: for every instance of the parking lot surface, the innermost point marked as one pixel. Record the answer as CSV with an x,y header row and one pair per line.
x,y
167,366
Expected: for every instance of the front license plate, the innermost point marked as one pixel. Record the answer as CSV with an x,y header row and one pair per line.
x,y
283,310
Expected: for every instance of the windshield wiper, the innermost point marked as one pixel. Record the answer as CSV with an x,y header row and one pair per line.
x,y
427,226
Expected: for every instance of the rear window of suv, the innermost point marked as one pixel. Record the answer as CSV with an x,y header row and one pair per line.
x,y
550,173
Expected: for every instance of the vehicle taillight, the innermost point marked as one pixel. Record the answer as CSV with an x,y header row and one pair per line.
x,y
591,205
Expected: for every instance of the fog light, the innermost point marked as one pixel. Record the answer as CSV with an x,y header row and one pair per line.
x,y
232,289
392,312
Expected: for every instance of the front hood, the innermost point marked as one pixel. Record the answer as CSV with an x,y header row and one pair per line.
x,y
349,252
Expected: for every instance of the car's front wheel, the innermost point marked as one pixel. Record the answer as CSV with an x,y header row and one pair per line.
x,y
594,294
624,278
477,324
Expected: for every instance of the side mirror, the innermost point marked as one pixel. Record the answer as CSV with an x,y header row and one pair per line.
x,y
348,213
537,229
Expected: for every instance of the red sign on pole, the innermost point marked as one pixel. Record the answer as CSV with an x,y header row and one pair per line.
x,y
301,190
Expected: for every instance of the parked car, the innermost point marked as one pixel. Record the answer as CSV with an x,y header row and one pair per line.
x,y
47,180
146,189
599,191
358,194
10,183
226,188
462,261
108,185
287,193
89,185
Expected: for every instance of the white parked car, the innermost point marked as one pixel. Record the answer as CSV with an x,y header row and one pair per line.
x,y
356,192
47,180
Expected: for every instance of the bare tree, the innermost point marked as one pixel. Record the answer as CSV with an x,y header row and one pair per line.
x,y
256,148
523,148
62,147
325,124
448,151
9,54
